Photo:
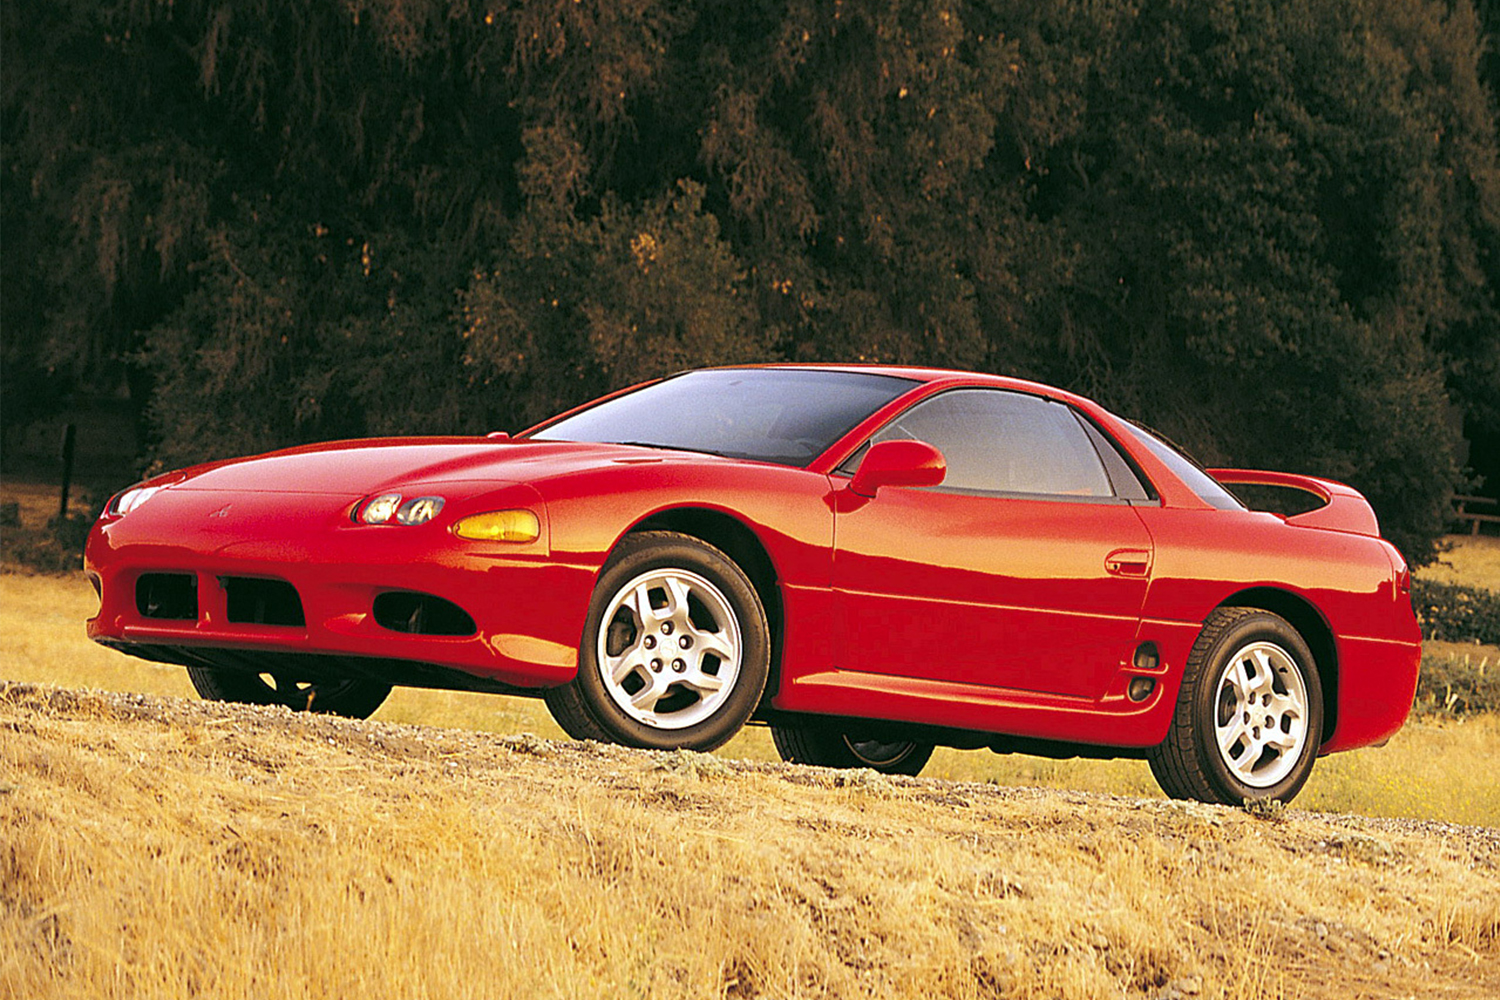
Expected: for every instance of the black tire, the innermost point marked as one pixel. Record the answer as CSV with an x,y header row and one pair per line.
x,y
831,745
353,698
720,606
1284,704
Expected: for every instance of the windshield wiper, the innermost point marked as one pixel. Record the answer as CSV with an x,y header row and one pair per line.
x,y
668,447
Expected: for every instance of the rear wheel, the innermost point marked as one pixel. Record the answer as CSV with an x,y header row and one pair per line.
x,y
829,745
1249,716
354,698
675,652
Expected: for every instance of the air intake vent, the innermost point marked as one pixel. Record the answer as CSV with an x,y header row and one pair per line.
x,y
257,601
167,595
421,614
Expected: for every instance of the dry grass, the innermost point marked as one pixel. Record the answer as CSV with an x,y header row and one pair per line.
x,y
166,848
1468,560
1429,770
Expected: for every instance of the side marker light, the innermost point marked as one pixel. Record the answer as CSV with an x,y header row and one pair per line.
x,y
500,526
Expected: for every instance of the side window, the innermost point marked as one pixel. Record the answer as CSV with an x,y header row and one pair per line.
x,y
997,441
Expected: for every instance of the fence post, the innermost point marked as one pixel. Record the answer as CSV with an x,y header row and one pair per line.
x,y
69,434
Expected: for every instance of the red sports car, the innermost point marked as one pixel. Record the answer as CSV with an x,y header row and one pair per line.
x,y
871,560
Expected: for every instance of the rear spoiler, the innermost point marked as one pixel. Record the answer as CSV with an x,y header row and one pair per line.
x,y
1343,508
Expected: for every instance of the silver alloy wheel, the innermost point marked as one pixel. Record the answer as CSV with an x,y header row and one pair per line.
x,y
669,648
1260,714
879,754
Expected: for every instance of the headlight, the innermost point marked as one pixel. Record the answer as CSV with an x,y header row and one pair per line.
x,y
419,510
379,510
125,502
500,526
388,507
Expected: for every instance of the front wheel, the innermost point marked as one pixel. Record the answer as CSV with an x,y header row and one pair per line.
x,y
832,746
1249,716
353,698
675,651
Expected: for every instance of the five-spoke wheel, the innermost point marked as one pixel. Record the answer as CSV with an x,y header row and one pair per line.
x,y
671,650
1249,716
675,649
1260,714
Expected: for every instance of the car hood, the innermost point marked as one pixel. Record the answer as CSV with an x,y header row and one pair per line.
x,y
359,468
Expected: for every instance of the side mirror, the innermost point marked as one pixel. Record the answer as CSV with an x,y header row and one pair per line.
x,y
898,463
498,435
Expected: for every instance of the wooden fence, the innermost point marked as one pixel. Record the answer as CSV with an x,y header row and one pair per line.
x,y
1476,512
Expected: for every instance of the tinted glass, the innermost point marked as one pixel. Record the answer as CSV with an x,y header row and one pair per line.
x,y
1005,442
787,416
1189,471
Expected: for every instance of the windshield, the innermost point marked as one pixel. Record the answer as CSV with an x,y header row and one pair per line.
x,y
1184,468
784,415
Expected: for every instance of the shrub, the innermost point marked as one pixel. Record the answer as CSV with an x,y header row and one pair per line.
x,y
1457,685
1455,613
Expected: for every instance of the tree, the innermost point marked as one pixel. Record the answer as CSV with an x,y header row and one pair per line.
x,y
1282,222
1269,230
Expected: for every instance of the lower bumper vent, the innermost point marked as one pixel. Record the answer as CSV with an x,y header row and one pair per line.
x,y
421,614
167,595
257,601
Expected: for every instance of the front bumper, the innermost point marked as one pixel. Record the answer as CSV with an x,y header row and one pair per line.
x,y
527,607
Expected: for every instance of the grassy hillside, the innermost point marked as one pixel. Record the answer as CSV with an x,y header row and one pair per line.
x,y
157,847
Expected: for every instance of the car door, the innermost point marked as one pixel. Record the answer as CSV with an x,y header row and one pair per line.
x,y
1025,569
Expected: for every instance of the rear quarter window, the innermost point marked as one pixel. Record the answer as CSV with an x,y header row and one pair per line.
x,y
1190,472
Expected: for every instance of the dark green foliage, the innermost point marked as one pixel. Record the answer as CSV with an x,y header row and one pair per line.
x,y
1271,230
1454,613
663,292
1286,305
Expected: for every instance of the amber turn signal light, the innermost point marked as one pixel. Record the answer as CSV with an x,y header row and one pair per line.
x,y
500,526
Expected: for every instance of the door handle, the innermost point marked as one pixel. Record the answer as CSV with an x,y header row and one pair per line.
x,y
1128,562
